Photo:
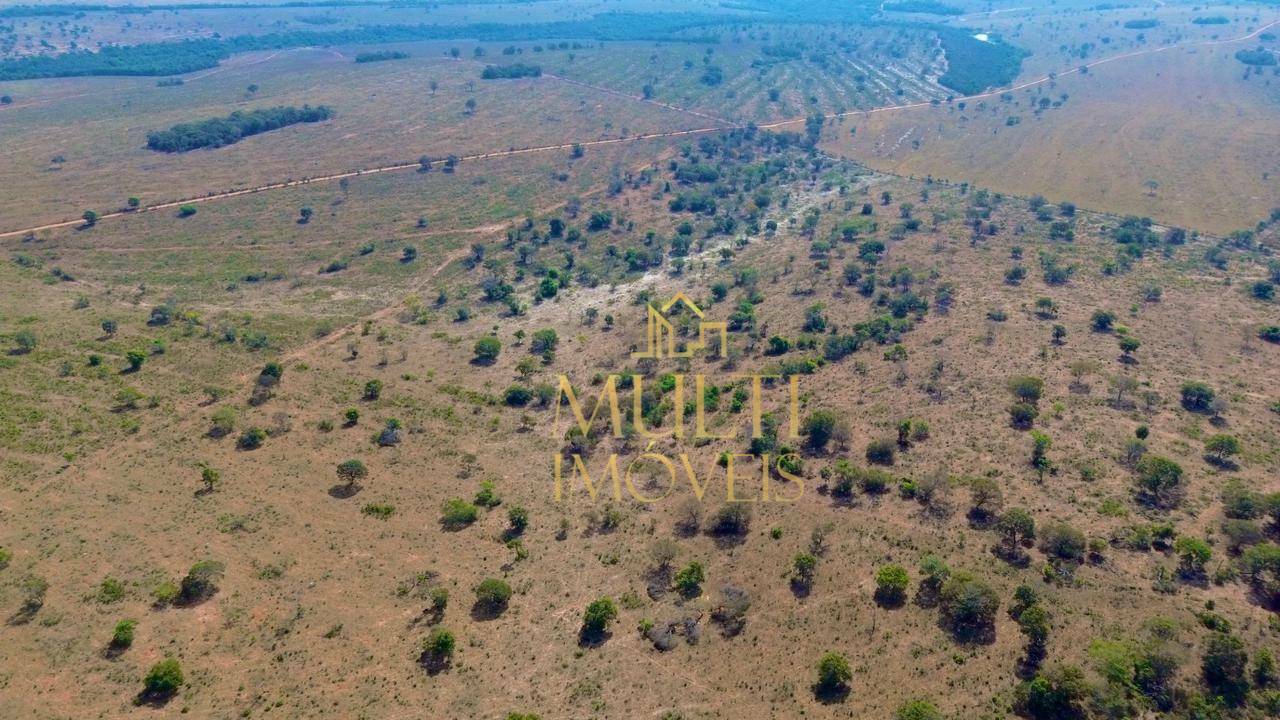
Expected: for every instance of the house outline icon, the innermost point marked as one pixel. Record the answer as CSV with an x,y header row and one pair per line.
x,y
658,328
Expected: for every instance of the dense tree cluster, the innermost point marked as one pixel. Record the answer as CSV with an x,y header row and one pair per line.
x,y
510,72
217,132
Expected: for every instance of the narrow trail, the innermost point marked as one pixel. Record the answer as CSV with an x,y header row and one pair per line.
x,y
212,197
302,351
359,173
425,235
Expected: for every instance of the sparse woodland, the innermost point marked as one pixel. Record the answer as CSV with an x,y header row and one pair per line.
x,y
328,448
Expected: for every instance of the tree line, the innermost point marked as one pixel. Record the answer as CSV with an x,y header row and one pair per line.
x,y
177,58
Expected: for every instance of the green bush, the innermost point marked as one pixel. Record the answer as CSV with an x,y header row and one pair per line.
x,y
1159,481
251,439
381,511
689,579
457,513
1063,542
881,452
200,583
1223,666
487,496
918,710
165,593
492,595
111,590
487,349
122,635
1059,694
1196,396
598,615
517,396
164,679
439,645
968,606
1027,389
891,584
833,672
819,427
351,472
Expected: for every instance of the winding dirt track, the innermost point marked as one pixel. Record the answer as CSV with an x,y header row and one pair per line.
x,y
212,197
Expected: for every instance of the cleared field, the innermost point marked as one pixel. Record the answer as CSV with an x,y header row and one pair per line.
x,y
772,72
1180,136
385,113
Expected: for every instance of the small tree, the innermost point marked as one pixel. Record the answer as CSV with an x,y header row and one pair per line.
x,y
458,513
1196,396
437,649
544,343
200,582
891,585
1220,448
986,497
596,618
1193,554
210,477
373,390
517,519
732,519
135,358
122,635
881,452
1033,622
1061,541
819,427
834,673
1223,667
351,472
1159,481
1022,415
1128,345
492,595
1016,528
803,569
969,606
1040,444
90,218
1027,389
688,581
